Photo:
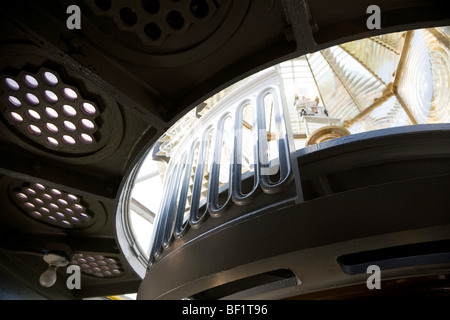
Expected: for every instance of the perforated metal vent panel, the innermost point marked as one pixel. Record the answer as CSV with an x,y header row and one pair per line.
x,y
51,206
48,106
172,24
97,265
41,107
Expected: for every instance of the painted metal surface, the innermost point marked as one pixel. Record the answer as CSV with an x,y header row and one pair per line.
x,y
172,222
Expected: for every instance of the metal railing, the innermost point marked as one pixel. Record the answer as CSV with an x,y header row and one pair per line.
x,y
202,151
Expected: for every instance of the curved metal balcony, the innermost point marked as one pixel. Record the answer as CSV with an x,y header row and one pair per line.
x,y
212,137
278,229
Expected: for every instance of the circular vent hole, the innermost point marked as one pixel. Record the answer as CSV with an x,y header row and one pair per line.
x,y
32,99
72,198
51,113
74,220
66,223
52,142
53,129
78,207
62,202
56,192
175,20
84,216
50,79
30,81
70,94
199,8
69,126
128,16
47,197
15,117
33,115
30,191
152,31
38,201
86,139
36,214
50,96
29,205
53,206
68,140
60,215
104,5
69,111
12,84
39,186
14,102
88,109
21,195
87,124
34,130
151,6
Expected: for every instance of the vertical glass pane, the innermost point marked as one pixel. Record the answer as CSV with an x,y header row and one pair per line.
x,y
225,157
248,150
191,182
440,62
248,157
207,166
416,83
272,143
